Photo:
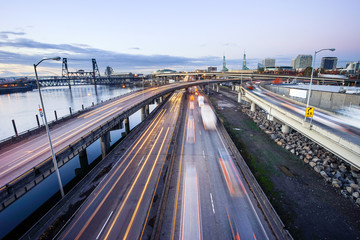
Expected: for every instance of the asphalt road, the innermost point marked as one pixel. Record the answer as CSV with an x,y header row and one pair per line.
x,y
119,207
208,197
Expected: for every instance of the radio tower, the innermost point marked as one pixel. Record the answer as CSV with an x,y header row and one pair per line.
x,y
224,69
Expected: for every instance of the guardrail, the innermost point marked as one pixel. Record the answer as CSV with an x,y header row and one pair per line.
x,y
346,150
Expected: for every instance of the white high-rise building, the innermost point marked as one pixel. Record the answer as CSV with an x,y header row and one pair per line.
x,y
303,61
268,62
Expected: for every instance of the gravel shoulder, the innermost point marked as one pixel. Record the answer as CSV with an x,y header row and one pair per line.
x,y
309,207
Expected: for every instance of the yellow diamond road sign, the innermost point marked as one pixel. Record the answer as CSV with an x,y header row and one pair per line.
x,y
309,112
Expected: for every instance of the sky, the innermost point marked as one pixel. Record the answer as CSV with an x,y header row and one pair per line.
x,y
142,36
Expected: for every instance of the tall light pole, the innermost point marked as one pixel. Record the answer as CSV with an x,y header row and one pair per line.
x,y
47,126
312,74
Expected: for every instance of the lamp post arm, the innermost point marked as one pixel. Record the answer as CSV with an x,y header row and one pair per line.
x,y
311,78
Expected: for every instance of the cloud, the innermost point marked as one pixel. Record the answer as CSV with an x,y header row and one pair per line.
x,y
5,34
80,55
134,48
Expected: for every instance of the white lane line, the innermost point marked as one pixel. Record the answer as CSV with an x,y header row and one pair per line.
x,y
141,160
104,225
200,132
212,203
203,154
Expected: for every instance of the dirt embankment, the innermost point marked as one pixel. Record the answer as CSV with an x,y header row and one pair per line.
x,y
309,207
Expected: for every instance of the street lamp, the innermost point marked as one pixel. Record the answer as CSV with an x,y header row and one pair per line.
x,y
312,74
47,126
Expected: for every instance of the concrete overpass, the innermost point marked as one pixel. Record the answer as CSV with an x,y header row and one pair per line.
x,y
339,145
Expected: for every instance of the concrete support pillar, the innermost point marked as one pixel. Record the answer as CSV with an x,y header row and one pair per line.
x,y
147,110
252,107
232,87
239,97
270,117
127,125
105,144
285,129
143,113
217,87
161,99
84,164
213,86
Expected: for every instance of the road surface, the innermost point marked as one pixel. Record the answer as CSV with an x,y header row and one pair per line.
x,y
208,197
119,207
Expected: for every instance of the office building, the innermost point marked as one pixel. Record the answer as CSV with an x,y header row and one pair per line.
x,y
328,63
302,62
212,69
268,62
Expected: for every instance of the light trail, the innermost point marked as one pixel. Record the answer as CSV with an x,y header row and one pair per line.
x,y
145,187
132,187
151,129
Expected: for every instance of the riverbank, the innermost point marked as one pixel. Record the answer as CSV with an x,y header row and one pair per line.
x,y
309,207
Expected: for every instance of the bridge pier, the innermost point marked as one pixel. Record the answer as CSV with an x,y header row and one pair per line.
x,y
105,144
84,164
147,110
217,87
213,86
143,113
239,97
252,107
127,125
232,86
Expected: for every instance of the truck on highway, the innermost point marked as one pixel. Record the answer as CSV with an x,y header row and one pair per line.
x,y
201,101
208,117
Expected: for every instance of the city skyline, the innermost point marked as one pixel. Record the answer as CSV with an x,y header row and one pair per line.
x,y
146,36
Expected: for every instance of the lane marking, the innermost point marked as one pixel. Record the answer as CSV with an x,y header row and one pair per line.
x,y
141,160
212,203
179,176
203,154
146,186
132,187
104,225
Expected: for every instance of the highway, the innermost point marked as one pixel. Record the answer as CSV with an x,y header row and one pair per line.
x,y
208,198
119,207
342,126
18,158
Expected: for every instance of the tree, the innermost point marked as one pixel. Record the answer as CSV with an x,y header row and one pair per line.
x,y
307,71
108,71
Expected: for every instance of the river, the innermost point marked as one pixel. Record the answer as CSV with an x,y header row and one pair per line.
x,y
23,107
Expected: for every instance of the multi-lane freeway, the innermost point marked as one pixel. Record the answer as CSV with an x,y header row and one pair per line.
x,y
209,198
120,205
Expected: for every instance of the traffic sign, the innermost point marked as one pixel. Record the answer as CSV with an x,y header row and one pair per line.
x,y
309,112
41,112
